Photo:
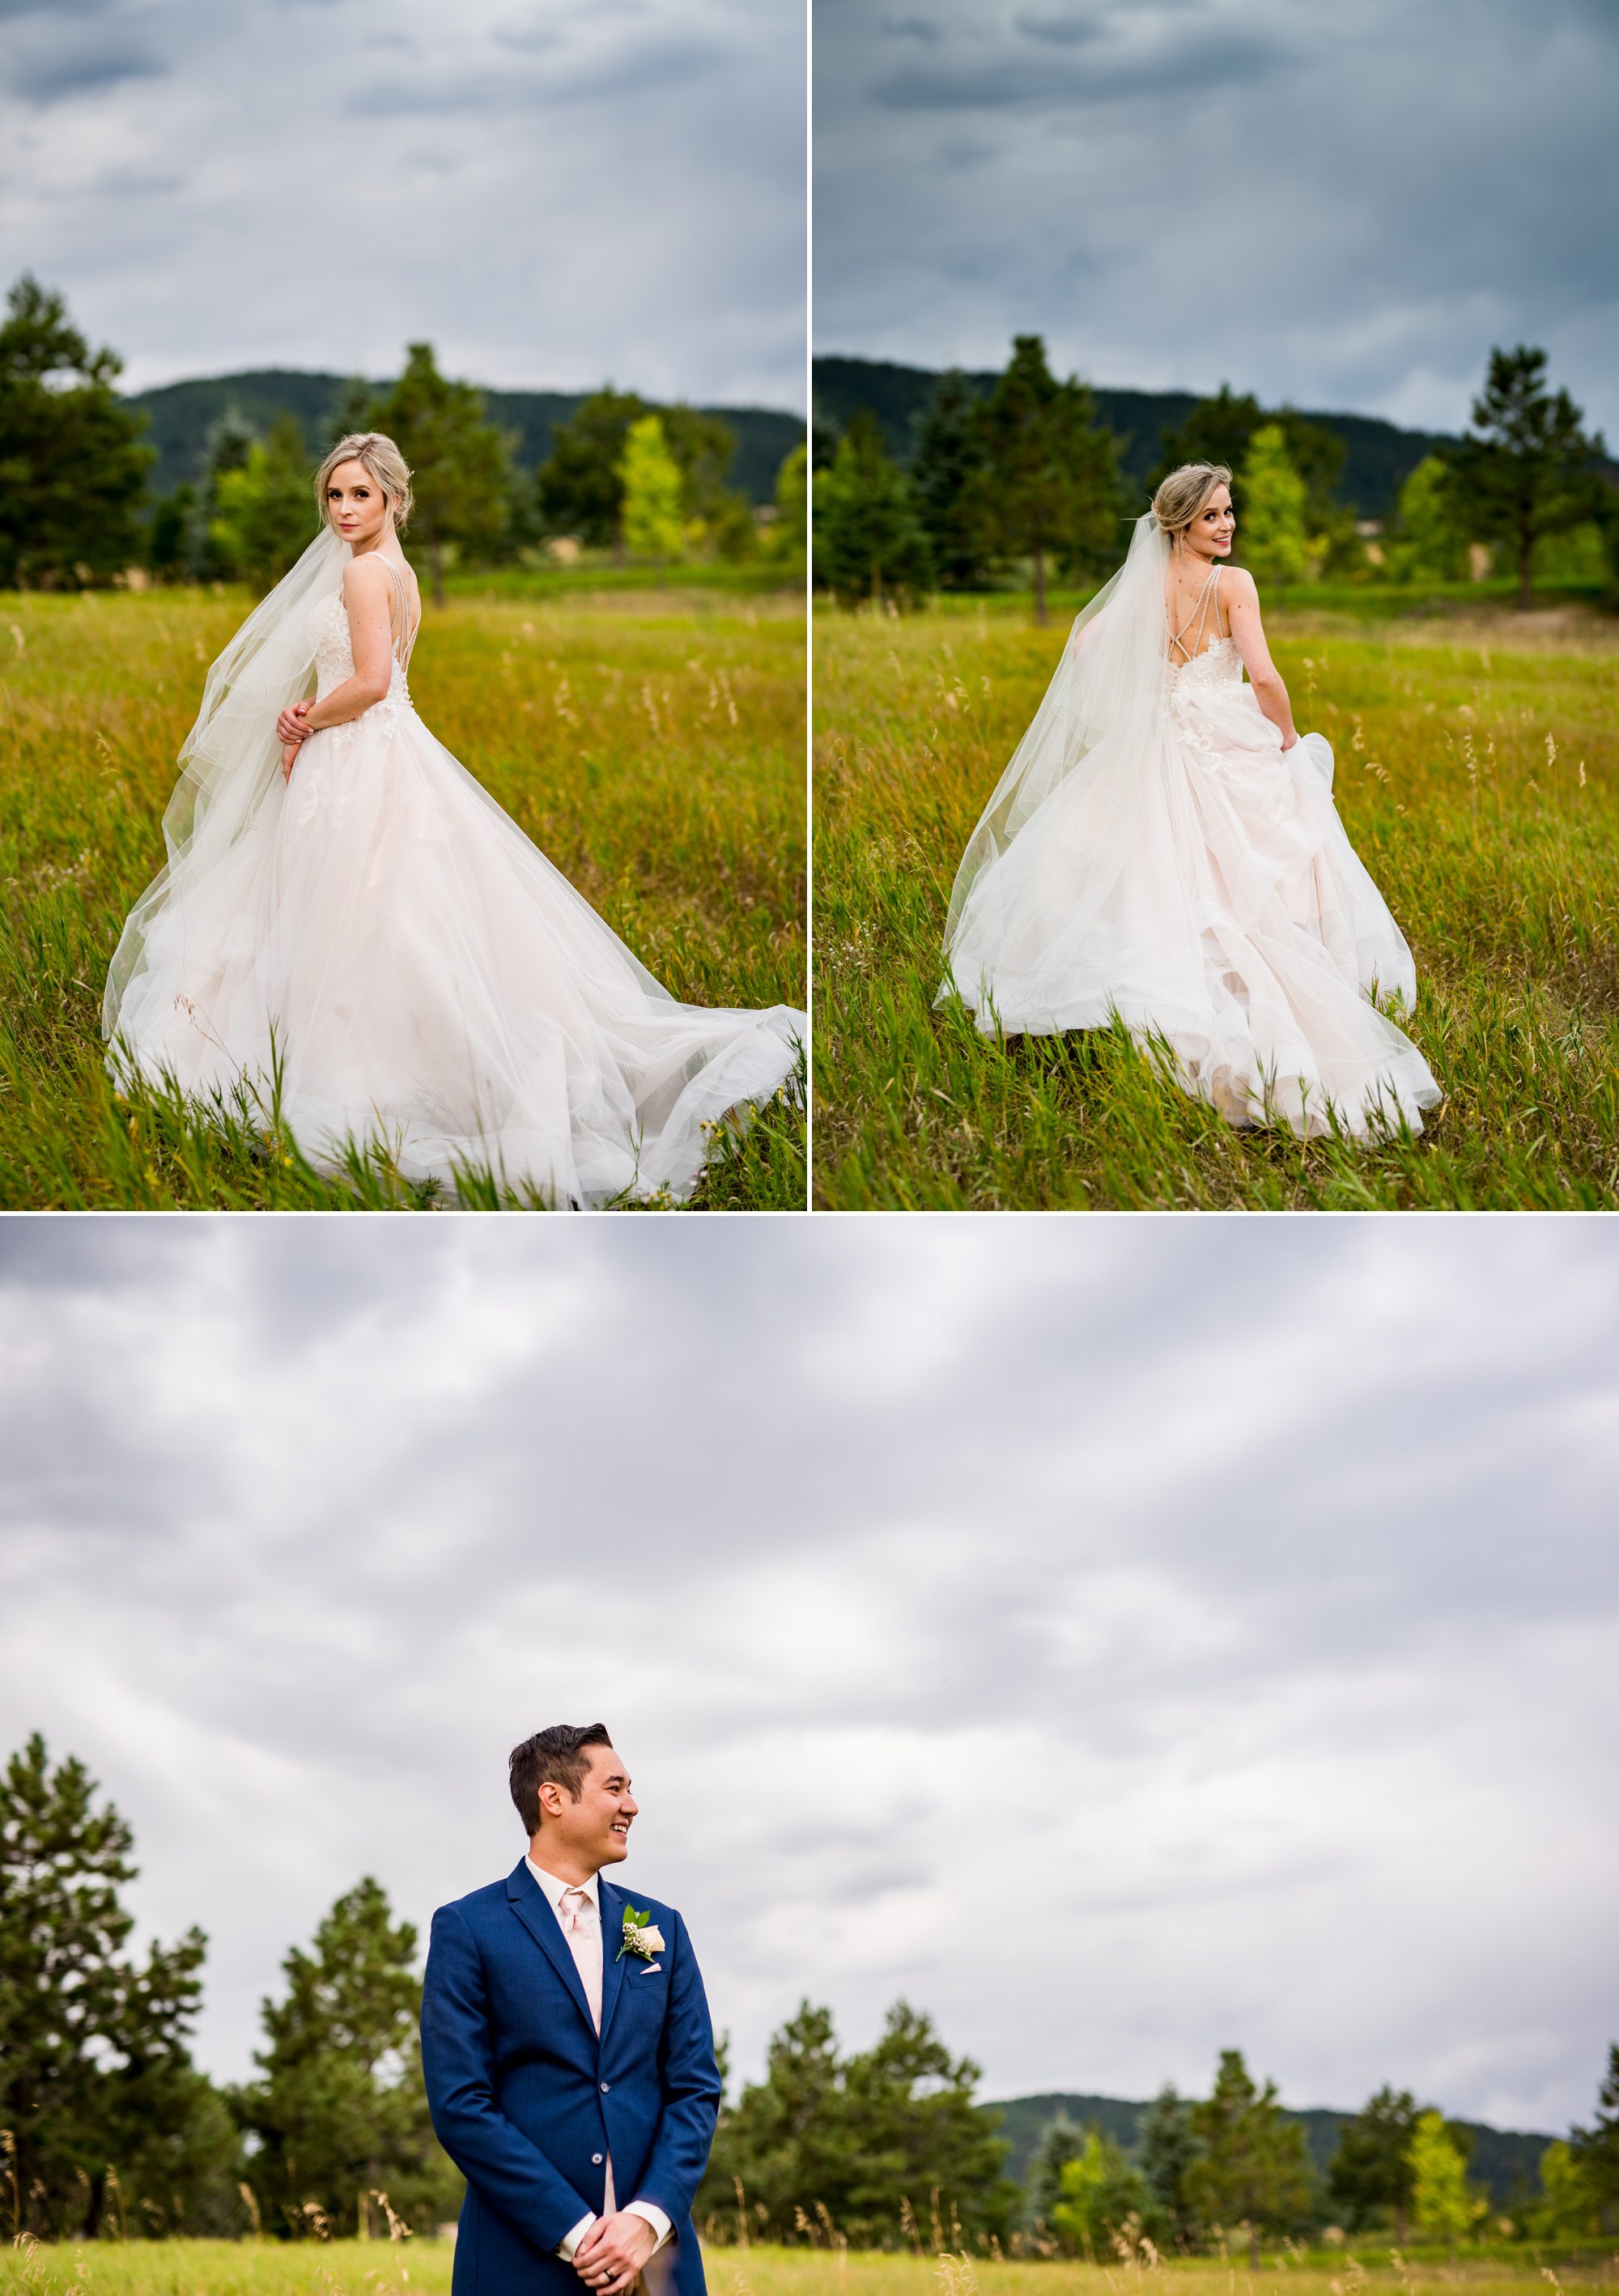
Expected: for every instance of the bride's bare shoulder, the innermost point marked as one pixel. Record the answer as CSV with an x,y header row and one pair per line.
x,y
362,575
1239,586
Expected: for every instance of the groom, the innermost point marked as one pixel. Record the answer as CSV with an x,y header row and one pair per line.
x,y
568,2050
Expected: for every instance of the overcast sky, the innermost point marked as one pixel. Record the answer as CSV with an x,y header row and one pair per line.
x,y
1126,1639
1345,207
552,192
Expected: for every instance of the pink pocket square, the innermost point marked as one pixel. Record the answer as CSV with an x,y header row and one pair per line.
x,y
650,1968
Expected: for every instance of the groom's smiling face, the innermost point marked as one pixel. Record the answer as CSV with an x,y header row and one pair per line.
x,y
593,1830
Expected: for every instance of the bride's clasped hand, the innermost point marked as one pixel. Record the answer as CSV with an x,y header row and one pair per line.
x,y
349,928
1163,850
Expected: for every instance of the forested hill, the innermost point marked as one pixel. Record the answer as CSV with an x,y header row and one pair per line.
x,y
180,414
1502,2159
1377,456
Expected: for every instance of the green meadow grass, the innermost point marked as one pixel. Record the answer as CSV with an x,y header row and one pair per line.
x,y
652,745
204,2267
1477,774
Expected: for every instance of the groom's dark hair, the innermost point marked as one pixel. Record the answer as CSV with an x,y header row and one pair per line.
x,y
553,1756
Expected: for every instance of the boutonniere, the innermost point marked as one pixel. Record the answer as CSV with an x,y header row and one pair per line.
x,y
642,1936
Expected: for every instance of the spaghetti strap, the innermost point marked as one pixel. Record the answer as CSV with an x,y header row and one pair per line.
x,y
405,635
1200,614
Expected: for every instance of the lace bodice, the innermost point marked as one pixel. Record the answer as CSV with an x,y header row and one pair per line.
x,y
1219,664
334,659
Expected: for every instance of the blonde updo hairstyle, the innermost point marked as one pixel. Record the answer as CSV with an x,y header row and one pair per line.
x,y
386,465
1184,496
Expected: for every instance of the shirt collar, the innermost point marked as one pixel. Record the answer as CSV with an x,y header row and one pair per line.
x,y
553,1888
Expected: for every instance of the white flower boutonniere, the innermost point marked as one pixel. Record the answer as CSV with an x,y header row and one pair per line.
x,y
641,1935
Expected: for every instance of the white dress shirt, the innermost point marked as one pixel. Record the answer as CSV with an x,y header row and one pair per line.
x,y
585,1943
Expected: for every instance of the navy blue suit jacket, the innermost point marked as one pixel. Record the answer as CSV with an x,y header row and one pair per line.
x,y
528,2101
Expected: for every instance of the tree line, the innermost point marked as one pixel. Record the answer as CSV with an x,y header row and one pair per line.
x,y
108,2127
624,476
1025,475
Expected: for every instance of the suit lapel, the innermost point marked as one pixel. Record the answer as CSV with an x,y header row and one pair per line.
x,y
611,1902
533,1909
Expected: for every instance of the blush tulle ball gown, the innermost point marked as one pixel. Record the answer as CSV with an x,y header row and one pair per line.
x,y
379,935
1152,854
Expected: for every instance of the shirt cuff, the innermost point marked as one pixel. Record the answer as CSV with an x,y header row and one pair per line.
x,y
566,2247
653,2215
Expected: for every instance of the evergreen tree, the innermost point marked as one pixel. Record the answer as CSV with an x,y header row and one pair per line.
x,y
580,485
869,540
96,2075
653,524
1441,2203
1566,2207
1596,2149
1101,2192
1221,429
1047,487
230,442
1059,2143
1526,470
1253,2167
704,448
945,471
461,464
1271,531
169,543
1368,2177
264,515
341,2110
72,465
1168,2148
863,2137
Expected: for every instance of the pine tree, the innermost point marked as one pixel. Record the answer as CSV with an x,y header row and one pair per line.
x,y
945,472
580,486
1271,526
461,464
1059,2143
72,465
341,2110
1370,2175
1528,468
654,526
1168,2149
869,540
1047,488
1253,2167
1596,2148
96,2076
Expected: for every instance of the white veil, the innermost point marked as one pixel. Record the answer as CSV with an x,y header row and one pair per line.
x,y
1103,716
231,756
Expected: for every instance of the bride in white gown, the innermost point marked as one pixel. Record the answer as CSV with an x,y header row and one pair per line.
x,y
1163,848
349,928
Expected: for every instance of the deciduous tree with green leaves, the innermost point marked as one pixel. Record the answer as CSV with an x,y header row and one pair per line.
x,y
264,515
1252,2166
72,465
1061,2141
1426,538
869,545
1271,535
96,2081
1527,469
1047,488
1441,2206
654,526
1368,2179
1101,2192
790,534
339,2110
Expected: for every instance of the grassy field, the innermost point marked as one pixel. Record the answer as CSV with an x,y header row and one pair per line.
x,y
652,742
203,2267
1478,776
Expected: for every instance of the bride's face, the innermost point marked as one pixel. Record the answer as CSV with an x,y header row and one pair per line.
x,y
356,504
1209,535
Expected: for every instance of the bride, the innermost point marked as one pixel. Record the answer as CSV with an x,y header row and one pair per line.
x,y
1163,848
349,928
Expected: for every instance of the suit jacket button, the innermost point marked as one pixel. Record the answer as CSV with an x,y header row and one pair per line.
x,y
604,2088
595,2159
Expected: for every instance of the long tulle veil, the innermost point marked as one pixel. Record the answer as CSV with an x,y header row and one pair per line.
x,y
1103,716
231,756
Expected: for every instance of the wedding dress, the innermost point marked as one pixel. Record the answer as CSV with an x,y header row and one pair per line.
x,y
379,935
1153,854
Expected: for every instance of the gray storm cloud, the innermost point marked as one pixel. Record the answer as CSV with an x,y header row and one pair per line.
x,y
1226,1607
552,196
1342,207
